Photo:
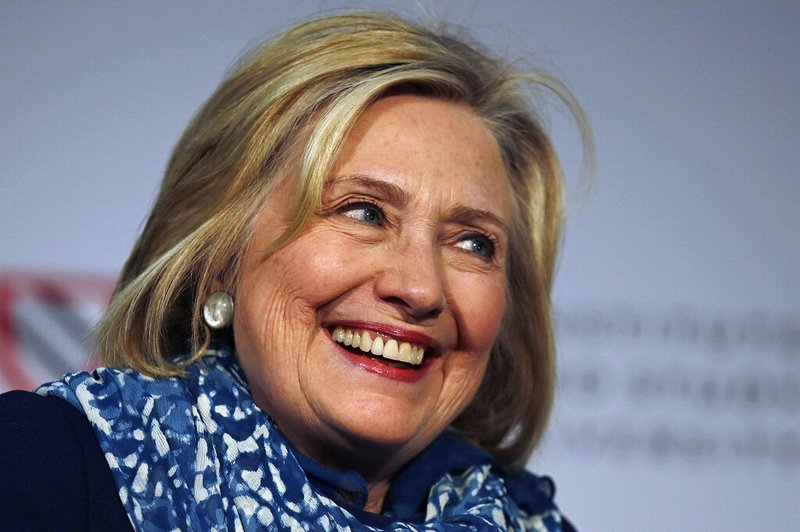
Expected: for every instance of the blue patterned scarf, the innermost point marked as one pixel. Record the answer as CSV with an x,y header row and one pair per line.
x,y
196,453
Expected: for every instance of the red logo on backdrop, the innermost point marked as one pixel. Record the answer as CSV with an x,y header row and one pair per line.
x,y
46,321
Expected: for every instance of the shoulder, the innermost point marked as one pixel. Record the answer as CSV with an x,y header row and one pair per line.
x,y
29,411
53,474
40,431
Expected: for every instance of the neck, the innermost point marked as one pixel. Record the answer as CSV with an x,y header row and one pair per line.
x,y
377,470
376,495
377,465
376,462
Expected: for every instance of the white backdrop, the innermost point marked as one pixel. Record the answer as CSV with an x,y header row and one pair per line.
x,y
679,321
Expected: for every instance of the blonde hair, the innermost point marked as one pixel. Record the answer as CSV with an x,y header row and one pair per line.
x,y
296,98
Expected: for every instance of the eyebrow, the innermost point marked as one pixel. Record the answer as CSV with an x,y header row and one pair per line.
x,y
399,196
465,214
390,192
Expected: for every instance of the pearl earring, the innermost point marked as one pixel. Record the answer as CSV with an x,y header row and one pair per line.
x,y
218,310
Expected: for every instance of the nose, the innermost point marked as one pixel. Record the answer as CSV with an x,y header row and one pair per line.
x,y
413,280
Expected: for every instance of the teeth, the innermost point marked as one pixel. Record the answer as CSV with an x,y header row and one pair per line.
x,y
340,335
366,342
416,355
404,353
391,349
377,346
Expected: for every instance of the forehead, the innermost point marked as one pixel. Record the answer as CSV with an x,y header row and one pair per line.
x,y
427,145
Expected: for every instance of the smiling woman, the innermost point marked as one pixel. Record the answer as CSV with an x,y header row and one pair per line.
x,y
337,314
386,262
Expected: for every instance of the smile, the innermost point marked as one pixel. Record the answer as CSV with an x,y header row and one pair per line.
x,y
379,345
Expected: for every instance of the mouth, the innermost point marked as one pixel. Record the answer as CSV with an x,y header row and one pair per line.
x,y
390,350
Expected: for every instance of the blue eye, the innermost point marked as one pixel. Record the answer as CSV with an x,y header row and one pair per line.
x,y
364,212
479,244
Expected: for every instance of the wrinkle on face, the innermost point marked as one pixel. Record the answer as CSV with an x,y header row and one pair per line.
x,y
435,171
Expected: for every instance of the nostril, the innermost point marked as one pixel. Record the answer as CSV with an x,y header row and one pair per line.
x,y
416,288
415,309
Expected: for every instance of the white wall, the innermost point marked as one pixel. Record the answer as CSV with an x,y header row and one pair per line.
x,y
679,317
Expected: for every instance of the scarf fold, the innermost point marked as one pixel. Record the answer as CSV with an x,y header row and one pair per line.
x,y
196,453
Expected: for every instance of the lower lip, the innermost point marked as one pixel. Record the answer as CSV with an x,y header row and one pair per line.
x,y
374,365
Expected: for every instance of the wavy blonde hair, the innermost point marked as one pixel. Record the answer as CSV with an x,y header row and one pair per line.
x,y
295,99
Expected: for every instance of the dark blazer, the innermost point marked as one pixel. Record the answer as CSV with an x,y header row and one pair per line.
x,y
53,475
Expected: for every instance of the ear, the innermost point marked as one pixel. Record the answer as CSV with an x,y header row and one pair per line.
x,y
224,285
217,285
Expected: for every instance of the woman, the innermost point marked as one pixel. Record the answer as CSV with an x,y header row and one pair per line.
x,y
337,314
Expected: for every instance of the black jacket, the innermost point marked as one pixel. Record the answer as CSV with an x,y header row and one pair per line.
x,y
53,475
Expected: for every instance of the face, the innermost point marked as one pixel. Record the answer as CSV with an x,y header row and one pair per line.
x,y
404,260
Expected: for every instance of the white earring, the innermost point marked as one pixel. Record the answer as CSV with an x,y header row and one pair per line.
x,y
218,310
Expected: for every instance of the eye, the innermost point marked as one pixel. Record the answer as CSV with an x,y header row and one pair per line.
x,y
364,212
478,244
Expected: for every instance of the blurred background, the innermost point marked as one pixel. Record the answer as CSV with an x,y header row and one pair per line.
x,y
676,301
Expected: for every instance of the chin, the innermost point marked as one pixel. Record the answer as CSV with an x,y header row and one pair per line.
x,y
379,421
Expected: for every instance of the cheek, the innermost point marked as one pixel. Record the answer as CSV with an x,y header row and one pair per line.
x,y
274,321
322,273
482,308
281,294
265,298
480,313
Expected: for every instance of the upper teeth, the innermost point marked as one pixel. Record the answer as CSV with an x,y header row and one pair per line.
x,y
373,343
